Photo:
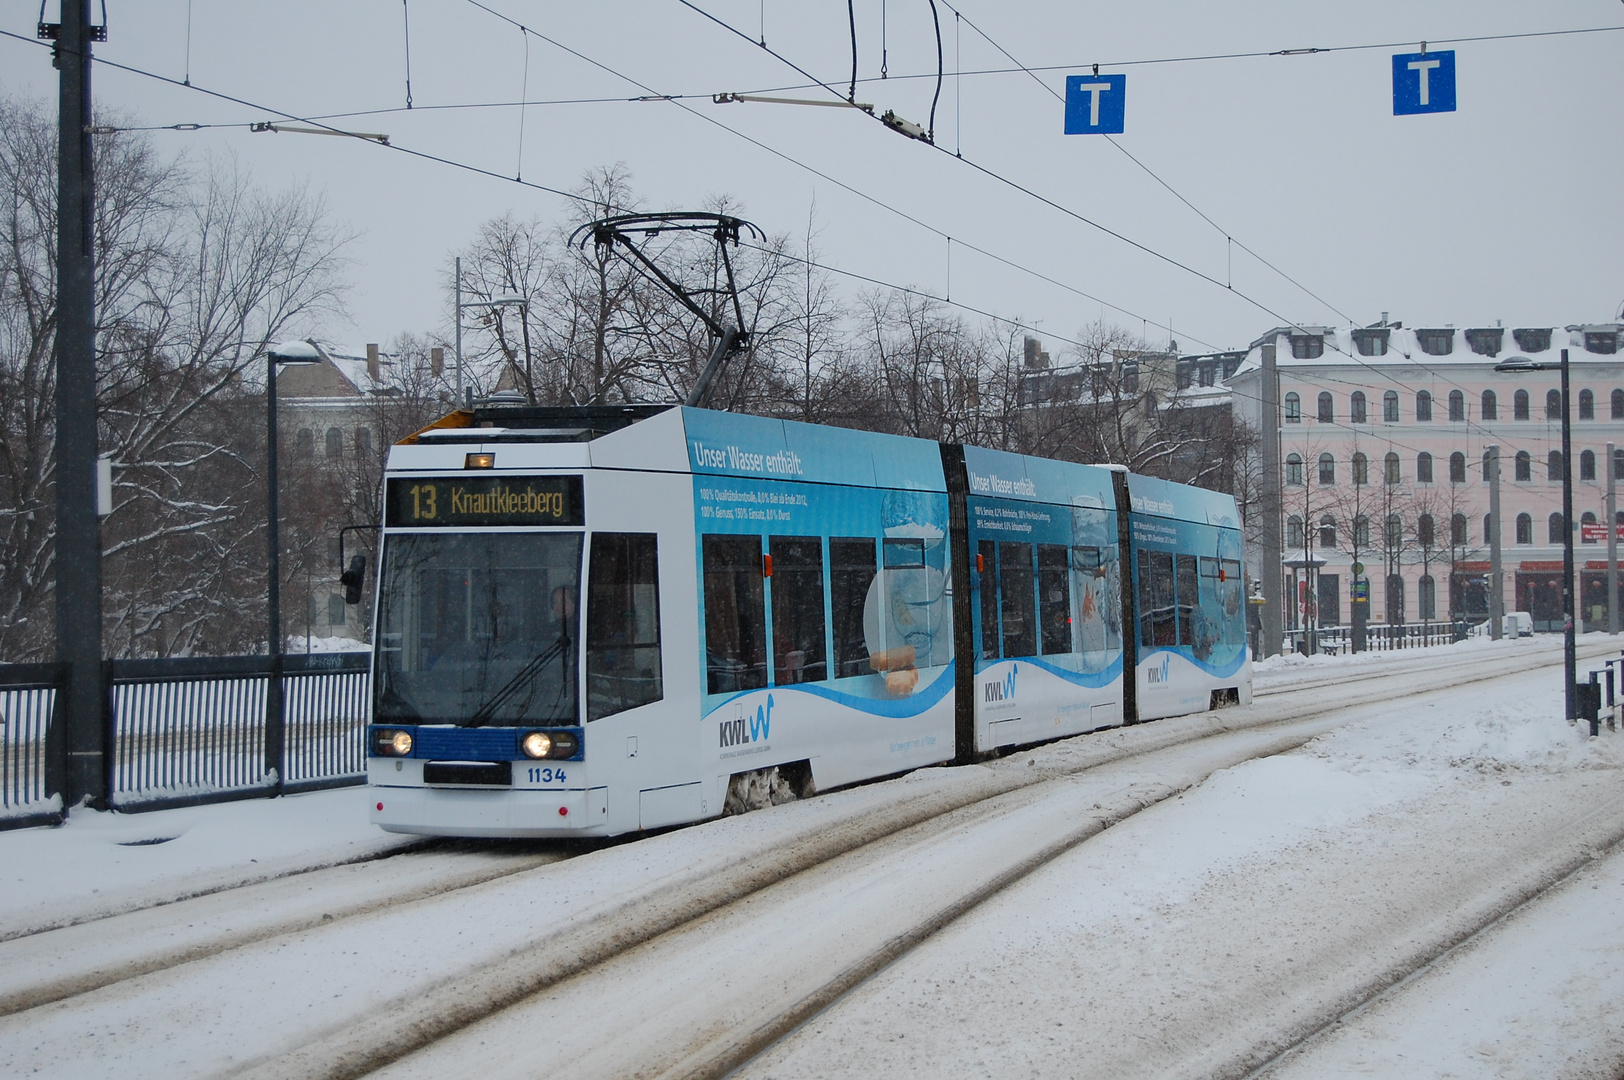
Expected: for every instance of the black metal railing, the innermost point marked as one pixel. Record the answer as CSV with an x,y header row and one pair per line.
x,y
192,730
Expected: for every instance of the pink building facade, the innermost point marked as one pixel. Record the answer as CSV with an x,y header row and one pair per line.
x,y
1383,436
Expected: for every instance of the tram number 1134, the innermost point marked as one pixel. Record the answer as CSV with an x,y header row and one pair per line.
x,y
544,776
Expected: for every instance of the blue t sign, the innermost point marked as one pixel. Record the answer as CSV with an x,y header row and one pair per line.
x,y
1094,104
1423,83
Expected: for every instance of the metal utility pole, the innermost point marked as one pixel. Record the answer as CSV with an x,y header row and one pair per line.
x,y
458,272
1269,509
1612,543
1497,603
83,769
1570,659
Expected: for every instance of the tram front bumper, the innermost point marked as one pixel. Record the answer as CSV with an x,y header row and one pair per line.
x,y
433,811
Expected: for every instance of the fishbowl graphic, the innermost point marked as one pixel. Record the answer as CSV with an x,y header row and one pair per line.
x,y
908,613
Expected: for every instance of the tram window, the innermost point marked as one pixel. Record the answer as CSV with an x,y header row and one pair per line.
x,y
735,615
797,584
851,573
622,624
1233,600
988,554
1054,598
1189,598
478,627
1157,624
1017,598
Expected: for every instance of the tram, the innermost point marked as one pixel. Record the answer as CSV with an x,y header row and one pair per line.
x,y
597,620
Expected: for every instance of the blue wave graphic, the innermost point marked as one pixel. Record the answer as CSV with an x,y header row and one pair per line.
x,y
1217,673
912,705
1093,680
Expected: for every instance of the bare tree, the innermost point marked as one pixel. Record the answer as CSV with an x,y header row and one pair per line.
x,y
197,270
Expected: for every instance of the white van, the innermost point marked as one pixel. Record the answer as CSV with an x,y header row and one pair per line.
x,y
1517,624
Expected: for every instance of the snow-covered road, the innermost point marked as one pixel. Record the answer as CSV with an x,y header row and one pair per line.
x,y
1190,897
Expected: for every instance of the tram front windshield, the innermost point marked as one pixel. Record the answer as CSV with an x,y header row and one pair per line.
x,y
478,628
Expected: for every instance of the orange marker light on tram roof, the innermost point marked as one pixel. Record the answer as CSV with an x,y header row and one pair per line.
x,y
479,461
766,566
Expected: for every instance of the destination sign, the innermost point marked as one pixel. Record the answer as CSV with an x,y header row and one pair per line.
x,y
467,501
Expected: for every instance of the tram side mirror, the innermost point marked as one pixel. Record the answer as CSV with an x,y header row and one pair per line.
x,y
353,578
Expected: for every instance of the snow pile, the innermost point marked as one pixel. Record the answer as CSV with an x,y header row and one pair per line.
x,y
328,644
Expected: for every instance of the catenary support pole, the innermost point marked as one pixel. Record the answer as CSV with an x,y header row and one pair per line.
x,y
1612,541
458,272
1269,509
1570,659
1497,577
78,529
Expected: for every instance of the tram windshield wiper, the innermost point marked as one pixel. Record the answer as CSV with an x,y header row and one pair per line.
x,y
520,680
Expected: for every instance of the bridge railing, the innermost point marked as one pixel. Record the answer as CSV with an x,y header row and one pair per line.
x,y
190,730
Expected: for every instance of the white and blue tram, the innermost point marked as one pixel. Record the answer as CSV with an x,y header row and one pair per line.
x,y
596,620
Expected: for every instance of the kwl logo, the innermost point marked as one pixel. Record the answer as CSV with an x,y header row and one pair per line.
x,y
1001,691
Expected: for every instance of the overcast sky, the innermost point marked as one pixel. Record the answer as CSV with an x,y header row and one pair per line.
x,y
1507,209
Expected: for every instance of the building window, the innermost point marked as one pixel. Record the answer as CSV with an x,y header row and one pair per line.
x,y
1457,468
1390,471
1327,532
1294,470
1390,407
1618,465
1424,534
1307,346
1423,405
1553,405
1553,529
1395,599
1587,405
1327,410
1553,465
1457,405
1395,532
1587,465
1356,408
1457,529
304,444
1423,468
1436,342
1519,405
1361,470
1525,466
1491,407
1426,597
1525,529
363,442
1130,378
1601,342
1532,340
1294,532
1586,518
1294,409
1486,342
1361,531
335,442
1327,469
1371,341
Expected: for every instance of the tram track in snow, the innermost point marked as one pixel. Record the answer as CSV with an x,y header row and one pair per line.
x,y
601,932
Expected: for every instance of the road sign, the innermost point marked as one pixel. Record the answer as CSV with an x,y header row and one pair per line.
x,y
1423,82
1095,104
1359,589
1358,568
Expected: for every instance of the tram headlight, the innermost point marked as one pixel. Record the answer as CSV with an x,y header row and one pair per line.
x,y
391,742
550,744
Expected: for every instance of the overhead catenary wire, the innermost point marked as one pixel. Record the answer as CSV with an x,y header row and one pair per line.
x,y
871,199
1017,186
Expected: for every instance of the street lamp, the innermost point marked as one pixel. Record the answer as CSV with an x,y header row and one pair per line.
x,y
293,354
494,302
1570,661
